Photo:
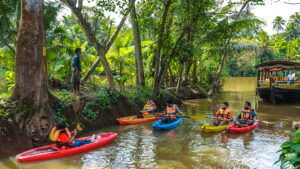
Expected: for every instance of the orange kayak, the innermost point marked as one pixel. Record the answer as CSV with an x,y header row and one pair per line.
x,y
134,120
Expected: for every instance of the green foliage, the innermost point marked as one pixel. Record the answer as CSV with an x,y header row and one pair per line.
x,y
103,101
3,113
66,99
138,96
290,152
88,109
121,81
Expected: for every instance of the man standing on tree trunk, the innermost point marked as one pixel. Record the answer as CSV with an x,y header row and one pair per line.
x,y
76,71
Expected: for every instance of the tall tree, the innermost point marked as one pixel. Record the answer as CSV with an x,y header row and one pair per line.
x,y
101,48
293,27
31,89
187,19
137,46
226,43
278,24
159,46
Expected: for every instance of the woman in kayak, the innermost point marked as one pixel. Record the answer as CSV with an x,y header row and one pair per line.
x,y
64,138
223,116
148,109
246,117
172,112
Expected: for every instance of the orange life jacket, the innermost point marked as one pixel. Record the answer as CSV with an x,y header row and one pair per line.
x,y
246,114
54,136
224,114
171,112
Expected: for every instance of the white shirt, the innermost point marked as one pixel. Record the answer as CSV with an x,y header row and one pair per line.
x,y
289,77
293,76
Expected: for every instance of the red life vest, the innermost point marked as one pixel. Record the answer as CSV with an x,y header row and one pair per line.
x,y
224,114
54,136
171,111
246,114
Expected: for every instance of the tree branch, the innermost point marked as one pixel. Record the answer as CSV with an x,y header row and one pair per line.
x,y
108,35
292,3
112,39
95,24
80,4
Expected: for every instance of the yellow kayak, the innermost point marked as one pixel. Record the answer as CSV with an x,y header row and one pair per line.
x,y
208,129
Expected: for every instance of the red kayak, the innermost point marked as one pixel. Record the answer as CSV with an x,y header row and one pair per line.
x,y
51,151
232,128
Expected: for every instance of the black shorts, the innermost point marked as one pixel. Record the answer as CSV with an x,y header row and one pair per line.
x,y
249,122
76,77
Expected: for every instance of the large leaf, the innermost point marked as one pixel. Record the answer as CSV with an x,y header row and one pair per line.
x,y
287,144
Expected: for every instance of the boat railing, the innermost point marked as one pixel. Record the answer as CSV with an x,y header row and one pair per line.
x,y
279,83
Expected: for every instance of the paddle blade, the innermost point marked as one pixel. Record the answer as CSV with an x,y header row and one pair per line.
x,y
149,116
198,117
132,117
79,127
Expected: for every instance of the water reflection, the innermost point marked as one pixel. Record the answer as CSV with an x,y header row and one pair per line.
x,y
139,146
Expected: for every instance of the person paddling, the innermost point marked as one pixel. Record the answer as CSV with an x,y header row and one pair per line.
x,y
172,112
149,108
223,116
66,139
246,117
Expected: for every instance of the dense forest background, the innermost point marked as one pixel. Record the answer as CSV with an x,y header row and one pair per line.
x,y
155,49
187,41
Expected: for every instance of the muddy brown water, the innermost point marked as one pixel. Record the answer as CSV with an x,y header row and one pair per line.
x,y
139,146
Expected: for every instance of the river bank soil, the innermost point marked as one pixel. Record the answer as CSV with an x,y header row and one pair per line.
x,y
15,139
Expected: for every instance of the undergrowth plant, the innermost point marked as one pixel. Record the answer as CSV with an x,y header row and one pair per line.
x,y
66,99
103,101
138,96
290,153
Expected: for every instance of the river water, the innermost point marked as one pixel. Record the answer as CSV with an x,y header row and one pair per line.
x,y
139,146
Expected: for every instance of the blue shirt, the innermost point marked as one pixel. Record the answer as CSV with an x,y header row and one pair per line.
x,y
253,114
76,62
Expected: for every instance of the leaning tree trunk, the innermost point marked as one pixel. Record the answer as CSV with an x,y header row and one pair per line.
x,y
102,48
137,46
178,86
194,72
185,80
218,78
31,91
156,89
216,82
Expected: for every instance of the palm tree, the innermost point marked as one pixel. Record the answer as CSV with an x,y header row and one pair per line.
x,y
293,27
264,43
278,24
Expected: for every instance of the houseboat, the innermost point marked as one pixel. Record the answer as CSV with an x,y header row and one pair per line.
x,y
279,81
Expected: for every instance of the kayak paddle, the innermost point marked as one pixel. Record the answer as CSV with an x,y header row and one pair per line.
x,y
195,117
78,127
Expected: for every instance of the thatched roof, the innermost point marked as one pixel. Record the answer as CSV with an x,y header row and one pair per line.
x,y
285,65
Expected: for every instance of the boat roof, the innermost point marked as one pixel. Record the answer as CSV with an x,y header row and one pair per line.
x,y
284,65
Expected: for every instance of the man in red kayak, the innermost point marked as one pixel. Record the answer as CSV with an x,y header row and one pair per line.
x,y
172,112
246,117
223,116
64,138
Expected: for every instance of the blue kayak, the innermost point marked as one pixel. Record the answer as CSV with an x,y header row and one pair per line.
x,y
159,126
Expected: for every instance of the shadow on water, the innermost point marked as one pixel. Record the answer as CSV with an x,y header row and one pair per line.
x,y
139,146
